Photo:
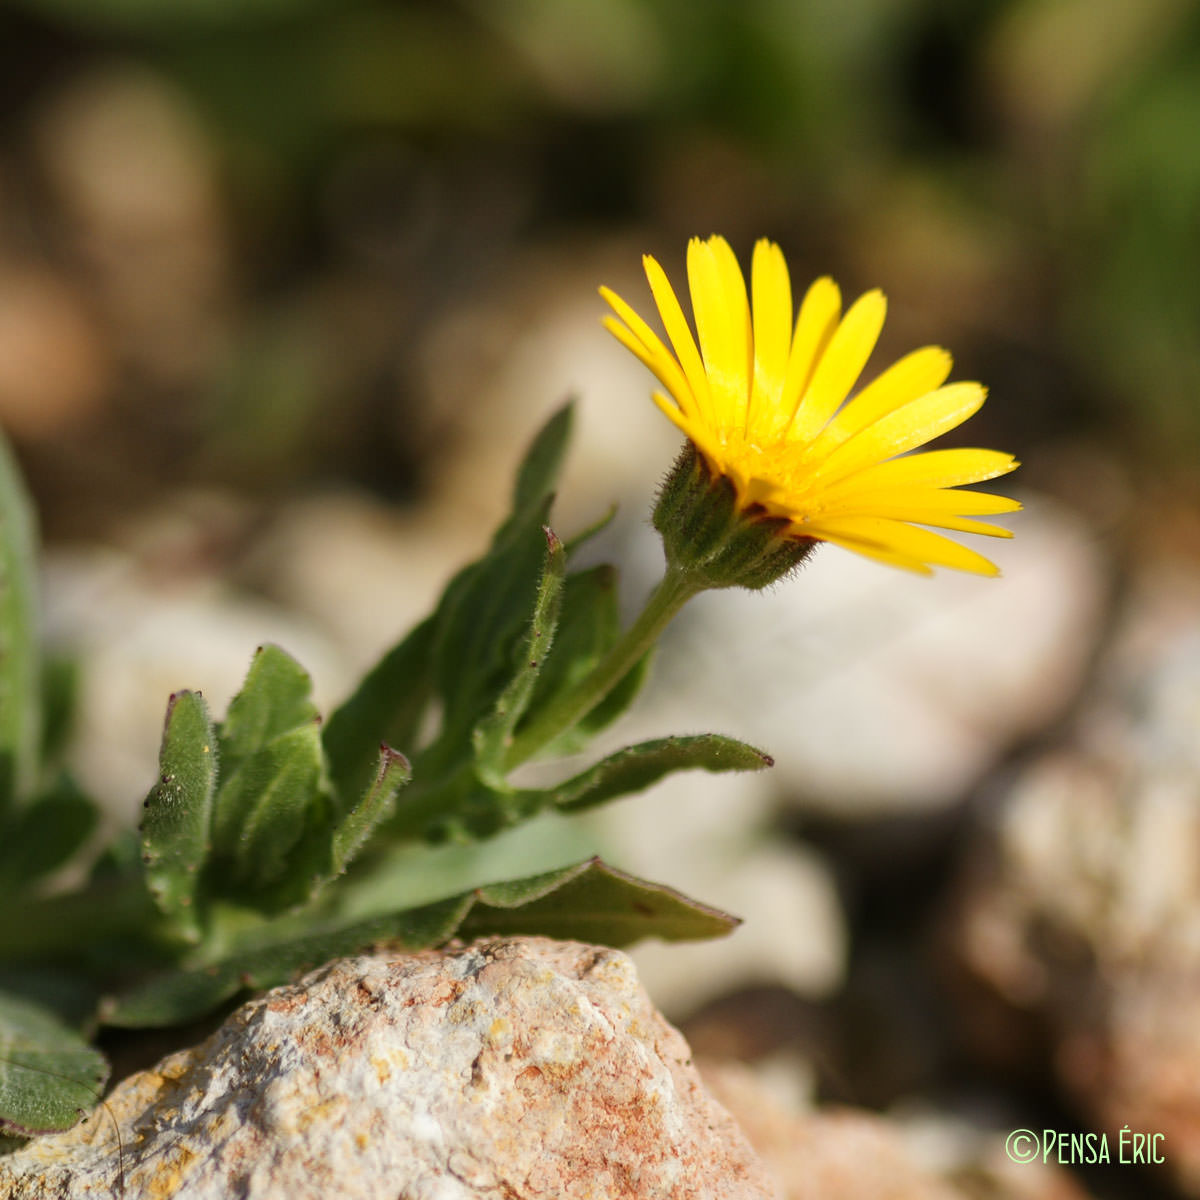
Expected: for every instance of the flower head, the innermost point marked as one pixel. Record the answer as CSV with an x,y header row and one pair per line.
x,y
766,405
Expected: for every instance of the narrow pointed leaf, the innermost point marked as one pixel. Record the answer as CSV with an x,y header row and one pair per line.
x,y
592,902
274,700
537,475
175,829
485,609
588,627
637,767
481,620
387,707
588,900
262,810
588,532
377,804
49,1076
492,736
20,683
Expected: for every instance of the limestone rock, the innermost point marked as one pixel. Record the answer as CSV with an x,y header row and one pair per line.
x,y
507,1069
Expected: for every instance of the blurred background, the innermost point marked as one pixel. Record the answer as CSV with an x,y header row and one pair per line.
x,y
286,286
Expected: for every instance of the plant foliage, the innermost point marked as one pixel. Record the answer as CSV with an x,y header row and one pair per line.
x,y
256,822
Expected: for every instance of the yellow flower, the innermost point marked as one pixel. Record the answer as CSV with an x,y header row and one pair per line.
x,y
765,404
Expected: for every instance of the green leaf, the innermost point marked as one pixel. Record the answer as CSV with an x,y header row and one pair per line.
x,y
45,834
480,620
175,829
485,608
492,736
387,707
592,902
588,900
588,627
377,804
274,700
538,473
637,767
271,955
49,1076
273,794
60,687
263,808
20,670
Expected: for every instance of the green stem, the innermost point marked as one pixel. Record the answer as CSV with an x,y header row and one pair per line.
x,y
672,593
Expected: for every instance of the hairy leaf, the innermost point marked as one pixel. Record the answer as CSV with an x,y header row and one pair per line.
x,y
175,829
49,1076
376,805
588,627
637,767
274,700
485,609
588,900
262,810
492,735
538,473
387,708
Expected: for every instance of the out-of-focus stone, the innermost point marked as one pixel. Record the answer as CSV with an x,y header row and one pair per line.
x,y
849,1154
54,369
363,571
520,1068
494,370
137,635
1080,908
706,834
880,692
134,175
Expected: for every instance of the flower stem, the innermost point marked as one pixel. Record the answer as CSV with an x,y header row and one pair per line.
x,y
673,591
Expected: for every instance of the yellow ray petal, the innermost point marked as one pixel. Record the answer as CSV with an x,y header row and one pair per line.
x,y
909,541
910,426
879,554
919,516
661,363
869,546
675,323
929,468
840,366
723,324
771,290
815,323
960,501
905,380
696,431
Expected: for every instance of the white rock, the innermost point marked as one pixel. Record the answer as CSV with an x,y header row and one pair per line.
x,y
519,1068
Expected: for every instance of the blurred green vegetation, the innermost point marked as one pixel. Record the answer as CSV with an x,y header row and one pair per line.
x,y
1025,173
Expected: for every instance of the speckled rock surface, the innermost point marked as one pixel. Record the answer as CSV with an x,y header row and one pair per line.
x,y
508,1069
